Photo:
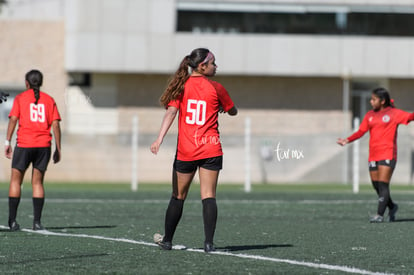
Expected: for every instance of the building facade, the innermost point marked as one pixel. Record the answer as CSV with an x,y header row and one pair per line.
x,y
299,70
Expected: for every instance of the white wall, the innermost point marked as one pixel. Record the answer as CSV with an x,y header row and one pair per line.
x,y
121,36
139,36
92,111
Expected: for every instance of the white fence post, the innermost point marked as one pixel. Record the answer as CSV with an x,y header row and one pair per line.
x,y
355,167
134,156
247,158
346,79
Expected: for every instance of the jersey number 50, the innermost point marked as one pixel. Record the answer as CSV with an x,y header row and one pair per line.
x,y
37,112
196,112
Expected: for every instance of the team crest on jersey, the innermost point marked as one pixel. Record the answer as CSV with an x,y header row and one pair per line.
x,y
386,118
370,118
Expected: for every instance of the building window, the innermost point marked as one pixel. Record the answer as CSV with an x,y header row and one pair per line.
x,y
317,23
80,79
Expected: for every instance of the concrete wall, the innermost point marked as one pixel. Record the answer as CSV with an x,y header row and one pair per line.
x,y
127,36
27,45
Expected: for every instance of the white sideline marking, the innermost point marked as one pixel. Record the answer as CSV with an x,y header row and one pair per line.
x,y
180,247
193,201
99,201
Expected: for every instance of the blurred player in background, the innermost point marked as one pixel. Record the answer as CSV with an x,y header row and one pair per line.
x,y
36,112
382,123
198,100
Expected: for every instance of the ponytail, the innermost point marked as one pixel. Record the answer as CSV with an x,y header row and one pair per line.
x,y
176,84
36,94
35,79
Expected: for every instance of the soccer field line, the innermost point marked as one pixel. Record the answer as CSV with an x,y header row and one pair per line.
x,y
222,253
224,201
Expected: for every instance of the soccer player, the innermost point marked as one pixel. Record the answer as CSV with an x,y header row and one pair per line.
x,y
382,123
198,100
36,112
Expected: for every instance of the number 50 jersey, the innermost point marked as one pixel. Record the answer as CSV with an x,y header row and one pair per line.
x,y
199,105
35,120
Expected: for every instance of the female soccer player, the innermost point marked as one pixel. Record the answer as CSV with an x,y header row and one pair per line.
x,y
36,113
198,100
382,123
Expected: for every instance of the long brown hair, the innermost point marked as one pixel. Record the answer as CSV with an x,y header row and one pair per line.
x,y
176,84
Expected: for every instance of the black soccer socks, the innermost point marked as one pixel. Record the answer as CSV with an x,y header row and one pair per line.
x,y
210,218
13,205
172,217
384,197
375,185
38,208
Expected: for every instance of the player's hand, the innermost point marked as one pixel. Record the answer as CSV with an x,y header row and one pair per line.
x,y
56,156
8,151
342,141
155,147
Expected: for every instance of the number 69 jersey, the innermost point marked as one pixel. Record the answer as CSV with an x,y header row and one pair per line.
x,y
34,120
199,105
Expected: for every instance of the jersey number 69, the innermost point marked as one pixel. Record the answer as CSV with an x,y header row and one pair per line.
x,y
37,112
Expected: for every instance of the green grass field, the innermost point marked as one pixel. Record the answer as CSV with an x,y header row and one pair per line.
x,y
275,229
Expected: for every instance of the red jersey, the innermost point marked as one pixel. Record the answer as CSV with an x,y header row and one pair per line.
x,y
34,120
382,126
198,135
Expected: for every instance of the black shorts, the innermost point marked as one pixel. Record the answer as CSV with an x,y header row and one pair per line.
x,y
39,157
373,165
215,164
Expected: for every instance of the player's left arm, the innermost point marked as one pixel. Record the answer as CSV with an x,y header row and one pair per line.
x,y
226,103
57,134
8,150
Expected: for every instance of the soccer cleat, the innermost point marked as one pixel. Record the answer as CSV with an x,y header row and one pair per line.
x,y
14,226
159,239
38,226
376,219
165,245
209,247
392,212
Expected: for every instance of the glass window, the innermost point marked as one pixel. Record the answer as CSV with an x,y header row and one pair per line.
x,y
324,23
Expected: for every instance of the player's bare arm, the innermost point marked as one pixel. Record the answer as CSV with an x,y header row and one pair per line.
x,y
8,151
57,134
168,119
